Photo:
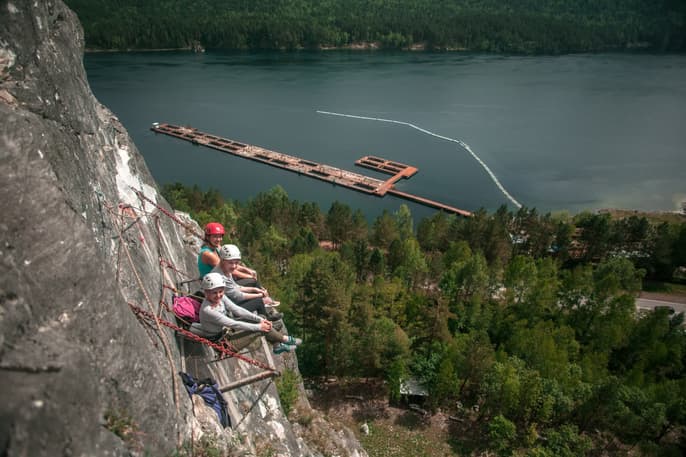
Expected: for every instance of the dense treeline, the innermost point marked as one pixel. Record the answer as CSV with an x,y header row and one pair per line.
x,y
522,324
520,26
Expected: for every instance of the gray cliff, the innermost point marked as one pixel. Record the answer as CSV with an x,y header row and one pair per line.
x,y
81,238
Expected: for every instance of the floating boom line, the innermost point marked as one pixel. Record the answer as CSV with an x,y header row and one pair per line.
x,y
428,132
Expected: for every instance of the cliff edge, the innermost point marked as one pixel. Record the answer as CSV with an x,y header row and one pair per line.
x,y
85,238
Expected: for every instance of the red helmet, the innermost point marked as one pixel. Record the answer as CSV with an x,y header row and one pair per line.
x,y
214,228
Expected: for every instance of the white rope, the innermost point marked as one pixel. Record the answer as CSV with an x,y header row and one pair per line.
x,y
461,143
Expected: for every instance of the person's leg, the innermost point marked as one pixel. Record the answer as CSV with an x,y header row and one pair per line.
x,y
282,343
248,282
257,305
254,304
275,337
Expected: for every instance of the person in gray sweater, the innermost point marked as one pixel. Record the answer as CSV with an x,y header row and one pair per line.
x,y
251,298
218,311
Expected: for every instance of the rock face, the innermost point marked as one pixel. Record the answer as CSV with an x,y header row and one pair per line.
x,y
81,238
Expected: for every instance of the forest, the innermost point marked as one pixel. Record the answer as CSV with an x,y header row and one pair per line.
x,y
499,26
526,320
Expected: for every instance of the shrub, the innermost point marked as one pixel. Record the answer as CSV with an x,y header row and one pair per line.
x,y
205,447
287,386
502,433
122,424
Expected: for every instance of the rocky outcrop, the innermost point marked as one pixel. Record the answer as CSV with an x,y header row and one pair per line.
x,y
81,238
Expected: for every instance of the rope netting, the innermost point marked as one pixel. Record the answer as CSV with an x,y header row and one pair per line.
x,y
223,346
120,215
167,264
168,213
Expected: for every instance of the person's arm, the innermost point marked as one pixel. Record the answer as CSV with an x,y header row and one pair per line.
x,y
210,258
233,291
251,295
263,324
254,292
239,273
221,319
247,271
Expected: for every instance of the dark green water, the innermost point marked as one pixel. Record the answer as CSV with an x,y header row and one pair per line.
x,y
559,133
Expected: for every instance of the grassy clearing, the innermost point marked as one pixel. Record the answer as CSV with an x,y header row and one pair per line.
x,y
665,287
393,431
403,439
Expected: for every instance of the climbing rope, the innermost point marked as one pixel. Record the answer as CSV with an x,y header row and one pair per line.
x,y
162,337
168,213
154,321
167,264
179,292
158,320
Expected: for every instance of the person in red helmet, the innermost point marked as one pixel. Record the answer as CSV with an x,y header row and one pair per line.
x,y
208,257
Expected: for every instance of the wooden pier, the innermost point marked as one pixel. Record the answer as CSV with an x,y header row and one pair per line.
x,y
312,169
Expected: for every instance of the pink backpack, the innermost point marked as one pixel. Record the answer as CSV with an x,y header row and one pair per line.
x,y
187,308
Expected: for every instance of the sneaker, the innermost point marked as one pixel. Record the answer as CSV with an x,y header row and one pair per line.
x,y
292,341
283,347
275,317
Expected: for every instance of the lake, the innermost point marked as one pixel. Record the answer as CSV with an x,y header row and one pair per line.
x,y
556,132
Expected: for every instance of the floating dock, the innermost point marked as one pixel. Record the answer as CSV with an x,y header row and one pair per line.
x,y
312,169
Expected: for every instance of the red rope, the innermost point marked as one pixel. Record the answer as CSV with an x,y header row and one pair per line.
x,y
179,292
166,307
168,214
168,264
192,336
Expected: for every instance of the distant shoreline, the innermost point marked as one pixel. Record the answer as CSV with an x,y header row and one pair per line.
x,y
360,46
105,51
377,46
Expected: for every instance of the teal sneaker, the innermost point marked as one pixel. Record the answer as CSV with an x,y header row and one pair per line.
x,y
283,347
293,341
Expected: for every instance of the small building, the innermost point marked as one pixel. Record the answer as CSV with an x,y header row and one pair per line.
x,y
412,392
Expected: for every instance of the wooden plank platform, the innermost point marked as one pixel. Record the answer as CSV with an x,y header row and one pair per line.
x,y
398,170
430,203
276,159
313,169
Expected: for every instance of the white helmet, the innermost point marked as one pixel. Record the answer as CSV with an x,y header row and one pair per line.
x,y
229,252
212,281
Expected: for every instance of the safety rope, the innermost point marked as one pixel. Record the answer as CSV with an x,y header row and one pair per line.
x,y
179,292
221,347
186,324
148,317
228,352
166,263
168,214
161,335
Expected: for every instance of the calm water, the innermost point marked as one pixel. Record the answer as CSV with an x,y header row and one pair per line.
x,y
559,133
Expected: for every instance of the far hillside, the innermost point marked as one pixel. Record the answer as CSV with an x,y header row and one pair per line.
x,y
508,26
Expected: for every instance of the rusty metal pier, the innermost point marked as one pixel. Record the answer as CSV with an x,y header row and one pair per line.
x,y
312,169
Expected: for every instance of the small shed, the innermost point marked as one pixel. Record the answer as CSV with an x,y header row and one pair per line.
x,y
412,391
